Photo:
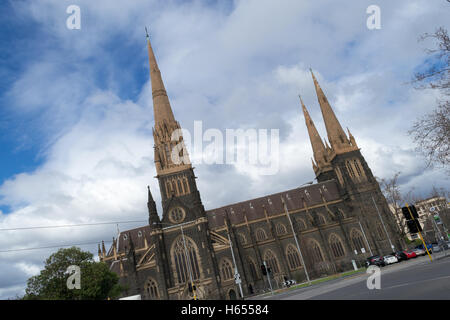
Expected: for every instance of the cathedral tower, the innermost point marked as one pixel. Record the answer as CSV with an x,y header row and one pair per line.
x,y
342,160
174,170
183,246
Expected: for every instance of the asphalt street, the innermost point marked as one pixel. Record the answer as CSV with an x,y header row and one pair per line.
x,y
417,278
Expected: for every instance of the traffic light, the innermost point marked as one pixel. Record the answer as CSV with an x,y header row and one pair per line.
x,y
407,215
191,287
263,270
413,226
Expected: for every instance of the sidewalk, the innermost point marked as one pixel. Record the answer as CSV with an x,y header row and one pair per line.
x,y
339,276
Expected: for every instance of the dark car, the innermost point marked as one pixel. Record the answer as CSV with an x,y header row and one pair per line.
x,y
400,255
376,261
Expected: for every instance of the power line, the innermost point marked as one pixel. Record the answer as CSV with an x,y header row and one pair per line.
x,y
51,247
72,225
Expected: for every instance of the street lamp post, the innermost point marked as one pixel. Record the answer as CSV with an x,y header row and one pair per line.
x,y
364,234
296,241
384,227
236,272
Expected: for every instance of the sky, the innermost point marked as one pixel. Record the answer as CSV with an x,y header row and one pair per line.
x,y
76,114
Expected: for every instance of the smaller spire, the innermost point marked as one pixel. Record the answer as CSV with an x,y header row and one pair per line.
x,y
150,197
336,135
318,147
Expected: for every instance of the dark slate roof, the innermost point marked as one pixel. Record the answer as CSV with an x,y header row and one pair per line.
x,y
137,237
254,208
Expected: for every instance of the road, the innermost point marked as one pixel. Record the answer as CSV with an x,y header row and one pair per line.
x,y
418,278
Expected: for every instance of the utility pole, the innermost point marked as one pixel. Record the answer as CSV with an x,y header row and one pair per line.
x,y
237,277
296,241
384,227
268,276
365,238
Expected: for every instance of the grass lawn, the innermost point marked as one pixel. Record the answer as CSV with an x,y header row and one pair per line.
x,y
335,276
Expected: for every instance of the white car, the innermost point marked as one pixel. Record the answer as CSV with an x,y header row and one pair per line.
x,y
390,259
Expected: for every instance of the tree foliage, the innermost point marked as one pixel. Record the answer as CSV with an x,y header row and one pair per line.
x,y
97,281
432,131
391,191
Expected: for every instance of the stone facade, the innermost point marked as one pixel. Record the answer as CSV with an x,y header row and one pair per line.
x,y
341,218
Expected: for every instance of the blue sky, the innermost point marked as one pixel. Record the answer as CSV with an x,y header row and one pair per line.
x,y
76,112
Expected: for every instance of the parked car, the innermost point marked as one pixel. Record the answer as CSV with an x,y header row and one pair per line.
x,y
390,259
436,248
400,255
410,254
429,247
376,261
419,252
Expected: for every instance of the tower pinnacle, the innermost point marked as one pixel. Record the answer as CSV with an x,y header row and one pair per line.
x,y
161,105
336,135
319,151
166,132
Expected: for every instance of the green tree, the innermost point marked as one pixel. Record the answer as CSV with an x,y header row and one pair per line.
x,y
97,281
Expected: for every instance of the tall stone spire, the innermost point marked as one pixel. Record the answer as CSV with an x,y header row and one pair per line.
x,y
161,105
336,135
165,124
316,141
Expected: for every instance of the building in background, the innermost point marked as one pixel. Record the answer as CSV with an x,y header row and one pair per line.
x,y
427,209
343,217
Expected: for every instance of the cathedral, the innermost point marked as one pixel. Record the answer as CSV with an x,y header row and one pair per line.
x,y
300,234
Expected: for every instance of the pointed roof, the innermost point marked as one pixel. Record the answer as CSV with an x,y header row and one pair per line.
x,y
150,197
161,105
336,134
316,141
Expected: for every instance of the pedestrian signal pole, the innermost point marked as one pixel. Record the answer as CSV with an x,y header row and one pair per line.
x,y
268,276
420,234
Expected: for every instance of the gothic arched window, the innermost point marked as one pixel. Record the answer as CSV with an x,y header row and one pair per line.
x,y
180,189
261,235
242,238
293,257
185,259
336,246
151,288
174,188
301,225
357,239
316,252
186,189
226,270
358,168
321,219
271,261
350,169
281,229
253,269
